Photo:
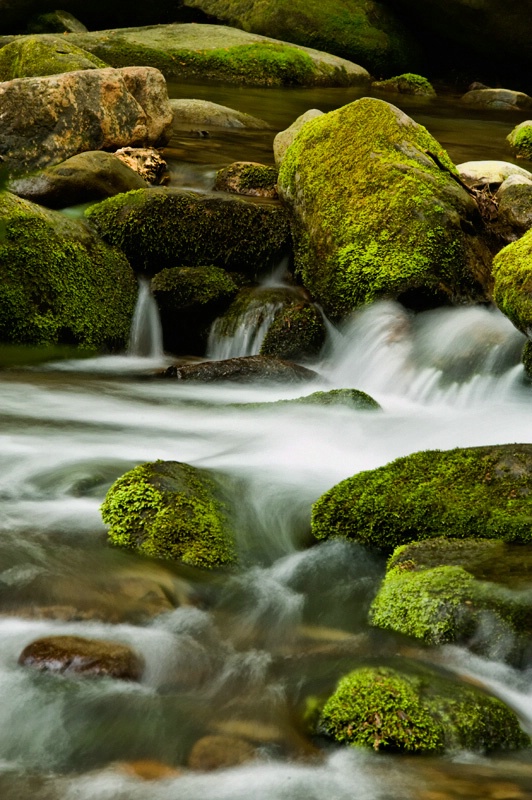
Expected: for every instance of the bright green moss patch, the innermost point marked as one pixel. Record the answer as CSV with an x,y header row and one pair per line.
x,y
520,140
407,83
375,212
512,273
31,56
169,510
480,492
59,284
422,712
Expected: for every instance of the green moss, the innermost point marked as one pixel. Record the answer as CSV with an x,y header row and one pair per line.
x,y
512,273
169,510
296,332
527,359
372,214
480,492
31,56
520,140
191,286
158,228
407,83
421,712
59,283
247,178
352,398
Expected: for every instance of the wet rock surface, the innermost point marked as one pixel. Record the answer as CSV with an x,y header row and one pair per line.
x,y
240,370
77,656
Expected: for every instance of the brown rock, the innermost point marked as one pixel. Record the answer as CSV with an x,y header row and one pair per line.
x,y
248,178
74,655
147,162
148,769
244,369
220,752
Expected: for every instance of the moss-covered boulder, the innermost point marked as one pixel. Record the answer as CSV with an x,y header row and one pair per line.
x,y
407,83
483,492
158,228
512,274
83,178
248,178
58,282
170,510
216,52
31,56
296,332
363,31
189,300
417,712
520,140
376,212
434,591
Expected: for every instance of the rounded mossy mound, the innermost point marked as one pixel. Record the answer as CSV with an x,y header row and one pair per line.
x,y
248,178
170,510
58,282
520,140
407,83
352,398
512,274
483,492
33,56
297,331
158,228
376,211
189,300
422,712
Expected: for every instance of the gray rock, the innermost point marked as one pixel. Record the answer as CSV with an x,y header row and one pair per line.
x,y
489,173
204,114
284,139
500,99
260,369
515,204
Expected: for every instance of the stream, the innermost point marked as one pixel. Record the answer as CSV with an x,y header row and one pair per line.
x,y
236,653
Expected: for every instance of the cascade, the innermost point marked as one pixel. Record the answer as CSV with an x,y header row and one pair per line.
x,y
146,338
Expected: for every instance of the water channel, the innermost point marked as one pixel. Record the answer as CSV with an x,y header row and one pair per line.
x,y
236,652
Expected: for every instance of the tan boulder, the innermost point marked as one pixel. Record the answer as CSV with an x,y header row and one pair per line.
x,y
75,655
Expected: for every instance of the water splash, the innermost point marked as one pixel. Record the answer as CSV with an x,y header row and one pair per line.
x,y
146,338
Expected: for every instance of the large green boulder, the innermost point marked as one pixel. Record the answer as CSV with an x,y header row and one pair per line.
x,y
512,273
418,711
31,56
158,228
58,282
377,211
200,52
363,31
170,510
483,492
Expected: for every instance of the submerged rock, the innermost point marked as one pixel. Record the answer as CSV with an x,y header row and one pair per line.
x,y
170,510
59,283
204,114
88,658
353,398
33,56
220,752
83,178
483,492
248,178
376,212
158,228
417,712
260,369
408,83
520,140
500,99
512,274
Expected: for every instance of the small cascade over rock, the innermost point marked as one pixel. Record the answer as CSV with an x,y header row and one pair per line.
x,y
146,338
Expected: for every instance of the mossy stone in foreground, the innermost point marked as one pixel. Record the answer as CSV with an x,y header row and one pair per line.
x,y
375,212
59,283
33,56
170,510
421,712
512,272
483,492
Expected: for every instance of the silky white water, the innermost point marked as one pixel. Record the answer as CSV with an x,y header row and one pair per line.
x,y
444,379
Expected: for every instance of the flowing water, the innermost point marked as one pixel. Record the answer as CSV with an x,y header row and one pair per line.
x,y
235,653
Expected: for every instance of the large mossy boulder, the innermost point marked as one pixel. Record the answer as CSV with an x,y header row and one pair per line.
x,y
216,52
418,711
363,31
58,282
435,590
170,510
91,109
376,212
31,56
483,492
512,273
158,228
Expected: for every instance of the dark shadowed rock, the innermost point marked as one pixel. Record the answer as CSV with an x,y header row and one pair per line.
x,y
75,655
245,369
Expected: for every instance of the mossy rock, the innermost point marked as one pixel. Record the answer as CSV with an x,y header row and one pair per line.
x,y
407,83
296,332
158,228
520,140
170,510
248,178
352,398
363,31
512,274
527,359
417,712
58,282
56,22
216,52
375,212
483,492
189,300
33,56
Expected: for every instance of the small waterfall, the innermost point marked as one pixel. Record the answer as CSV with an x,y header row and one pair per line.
x,y
146,338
